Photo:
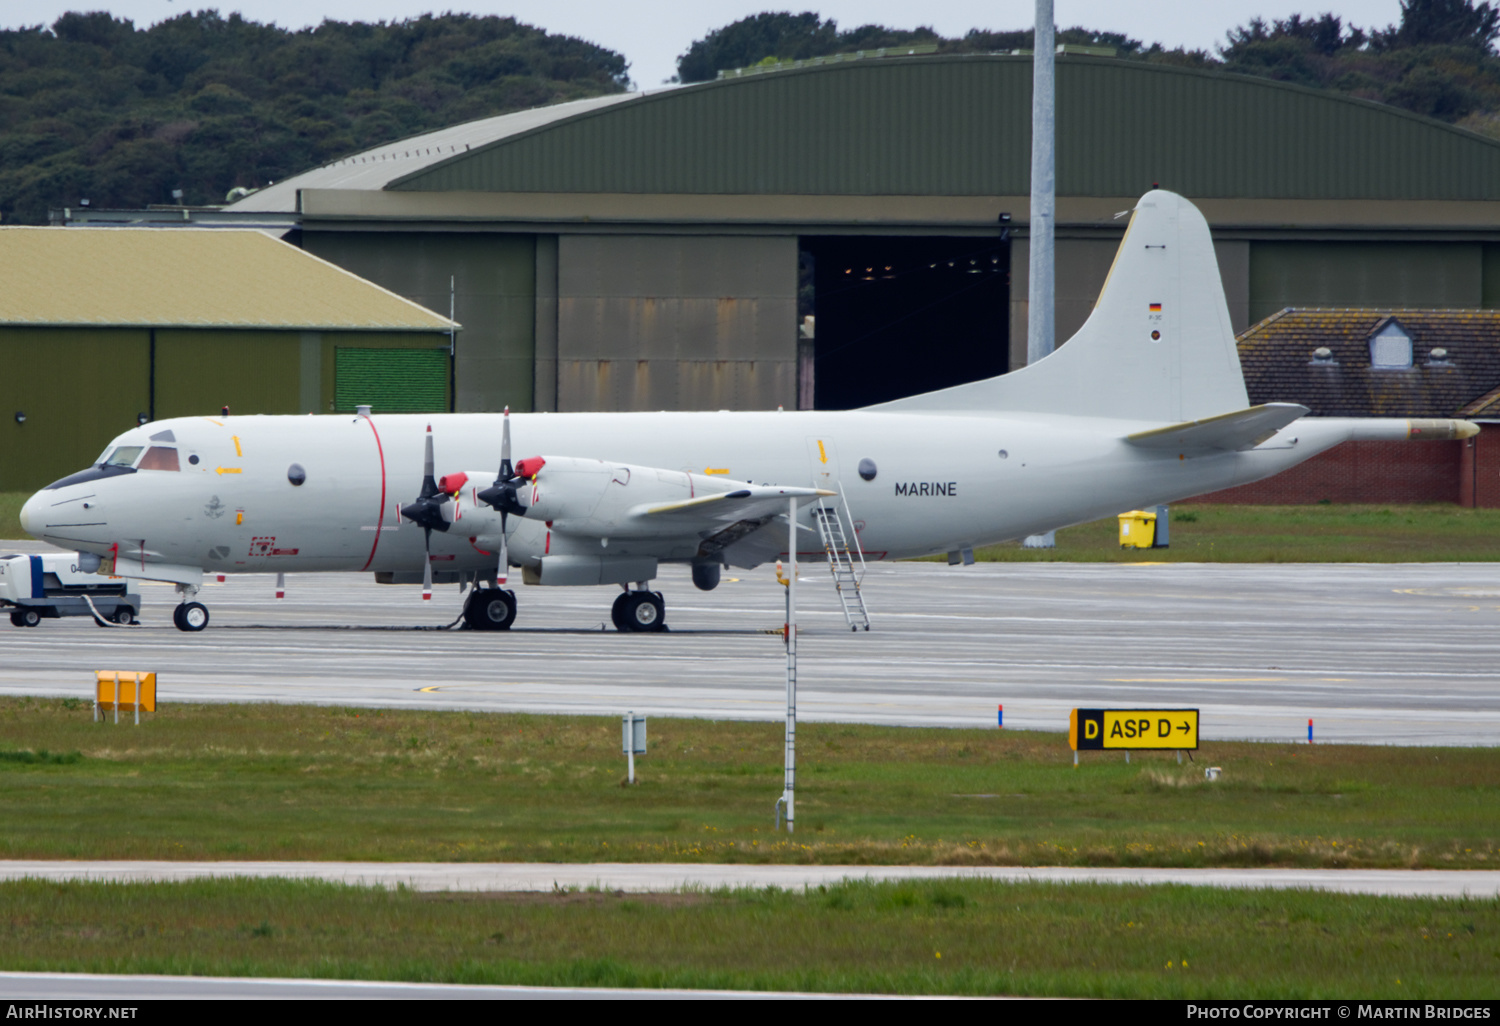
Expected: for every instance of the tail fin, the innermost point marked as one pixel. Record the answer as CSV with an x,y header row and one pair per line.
x,y
1158,345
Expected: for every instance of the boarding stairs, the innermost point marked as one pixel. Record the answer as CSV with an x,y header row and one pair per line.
x,y
842,564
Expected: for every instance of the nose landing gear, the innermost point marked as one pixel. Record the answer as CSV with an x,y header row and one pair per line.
x,y
190,616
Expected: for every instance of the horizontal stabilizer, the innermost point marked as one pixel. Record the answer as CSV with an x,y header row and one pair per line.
x,y
1228,432
753,502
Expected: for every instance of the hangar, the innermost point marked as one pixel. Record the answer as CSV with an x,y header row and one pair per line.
x,y
102,329
835,235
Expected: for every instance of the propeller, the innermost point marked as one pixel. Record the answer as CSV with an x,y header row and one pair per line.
x,y
502,495
427,511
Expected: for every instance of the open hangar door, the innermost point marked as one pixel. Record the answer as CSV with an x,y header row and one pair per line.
x,y
895,315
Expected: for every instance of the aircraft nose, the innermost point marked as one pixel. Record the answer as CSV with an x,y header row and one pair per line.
x,y
31,515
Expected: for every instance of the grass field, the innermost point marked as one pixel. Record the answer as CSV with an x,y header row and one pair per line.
x,y
1208,533
1230,534
306,782
937,937
10,514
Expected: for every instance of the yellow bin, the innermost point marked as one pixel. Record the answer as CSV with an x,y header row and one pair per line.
x,y
1138,529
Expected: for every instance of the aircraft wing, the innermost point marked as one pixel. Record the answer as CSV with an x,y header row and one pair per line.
x,y
1228,432
755,503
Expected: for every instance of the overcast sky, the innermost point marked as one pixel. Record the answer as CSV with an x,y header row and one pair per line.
x,y
652,34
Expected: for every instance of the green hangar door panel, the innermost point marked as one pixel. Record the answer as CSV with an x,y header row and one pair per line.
x,y
66,392
200,371
493,277
391,380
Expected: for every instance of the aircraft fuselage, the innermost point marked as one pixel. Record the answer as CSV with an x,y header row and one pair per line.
x,y
941,482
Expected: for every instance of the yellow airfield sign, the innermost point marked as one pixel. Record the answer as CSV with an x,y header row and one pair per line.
x,y
1132,729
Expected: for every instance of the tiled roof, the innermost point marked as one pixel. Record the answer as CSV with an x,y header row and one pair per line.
x,y
1279,363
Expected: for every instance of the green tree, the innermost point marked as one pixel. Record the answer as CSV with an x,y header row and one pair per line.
x,y
785,36
1442,23
94,107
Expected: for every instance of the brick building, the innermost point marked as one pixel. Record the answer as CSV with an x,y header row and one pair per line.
x,y
1381,363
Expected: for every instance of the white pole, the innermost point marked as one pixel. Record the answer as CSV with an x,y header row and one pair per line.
x,y
1040,324
1041,327
630,747
789,792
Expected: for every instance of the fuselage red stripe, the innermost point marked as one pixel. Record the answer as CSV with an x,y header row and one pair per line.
x,y
380,518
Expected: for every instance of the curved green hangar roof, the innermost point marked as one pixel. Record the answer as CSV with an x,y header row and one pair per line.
x,y
960,126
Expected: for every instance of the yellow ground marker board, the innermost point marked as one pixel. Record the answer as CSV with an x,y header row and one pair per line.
x,y
126,689
1132,729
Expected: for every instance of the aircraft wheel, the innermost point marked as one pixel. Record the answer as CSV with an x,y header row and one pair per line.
x,y
617,611
644,612
25,617
491,609
191,617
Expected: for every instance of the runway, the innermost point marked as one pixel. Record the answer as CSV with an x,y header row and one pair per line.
x,y
1373,653
71,987
649,877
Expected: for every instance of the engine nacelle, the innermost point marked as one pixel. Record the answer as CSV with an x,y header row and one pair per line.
x,y
571,505
593,497
469,515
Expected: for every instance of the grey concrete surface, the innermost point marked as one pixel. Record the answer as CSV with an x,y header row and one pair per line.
x,y
90,987
656,877
1378,653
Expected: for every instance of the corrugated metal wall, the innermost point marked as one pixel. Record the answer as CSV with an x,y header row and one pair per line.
x,y
662,322
78,388
1373,274
198,372
1490,275
495,283
960,126
81,387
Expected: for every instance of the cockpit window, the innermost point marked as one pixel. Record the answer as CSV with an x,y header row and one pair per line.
x,y
124,456
159,457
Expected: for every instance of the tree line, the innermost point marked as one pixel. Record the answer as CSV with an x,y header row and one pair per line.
x,y
94,108
1437,60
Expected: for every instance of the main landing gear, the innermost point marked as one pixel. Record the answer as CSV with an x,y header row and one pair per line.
x,y
490,609
639,611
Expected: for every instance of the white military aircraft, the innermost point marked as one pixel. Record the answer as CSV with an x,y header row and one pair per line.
x,y
1144,405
